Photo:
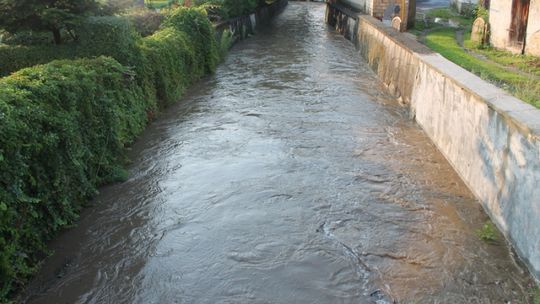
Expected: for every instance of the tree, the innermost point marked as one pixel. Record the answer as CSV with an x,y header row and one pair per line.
x,y
44,15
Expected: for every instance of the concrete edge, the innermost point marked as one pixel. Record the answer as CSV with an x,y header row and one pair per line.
x,y
522,115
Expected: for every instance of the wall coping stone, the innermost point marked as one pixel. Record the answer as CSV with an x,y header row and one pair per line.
x,y
521,114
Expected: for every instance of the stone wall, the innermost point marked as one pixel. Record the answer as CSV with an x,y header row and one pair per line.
x,y
490,138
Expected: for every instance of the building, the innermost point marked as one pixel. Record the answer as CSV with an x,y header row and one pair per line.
x,y
515,26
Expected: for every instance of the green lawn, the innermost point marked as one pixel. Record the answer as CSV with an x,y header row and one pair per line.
x,y
444,42
159,3
524,63
449,14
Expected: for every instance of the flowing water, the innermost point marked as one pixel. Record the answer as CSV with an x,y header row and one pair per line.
x,y
289,176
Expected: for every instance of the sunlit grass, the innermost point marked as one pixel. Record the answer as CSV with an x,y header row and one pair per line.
x,y
444,42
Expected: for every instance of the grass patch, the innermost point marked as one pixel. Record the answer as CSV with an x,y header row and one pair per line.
x,y
525,63
448,14
488,232
160,3
534,294
443,41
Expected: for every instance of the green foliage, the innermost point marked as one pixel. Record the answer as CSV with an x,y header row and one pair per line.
x,y
63,129
488,232
534,294
145,21
173,63
194,22
482,12
38,15
159,4
27,38
14,58
64,125
524,63
109,36
96,36
119,6
214,8
226,42
237,8
443,13
449,14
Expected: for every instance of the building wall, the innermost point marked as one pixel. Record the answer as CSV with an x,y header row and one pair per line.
x,y
532,45
500,16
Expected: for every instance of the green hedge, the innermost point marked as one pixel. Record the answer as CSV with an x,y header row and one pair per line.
x,y
108,36
96,36
64,125
229,8
63,129
14,58
237,8
173,63
145,21
194,22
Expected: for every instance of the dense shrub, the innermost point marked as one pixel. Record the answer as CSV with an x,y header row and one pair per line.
x,y
145,21
96,36
64,124
229,8
108,36
214,8
195,23
14,58
27,38
173,62
237,8
63,128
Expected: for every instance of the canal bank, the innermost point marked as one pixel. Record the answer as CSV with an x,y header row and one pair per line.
x,y
244,26
491,139
289,176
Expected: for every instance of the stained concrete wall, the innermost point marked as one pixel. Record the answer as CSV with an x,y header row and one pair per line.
x,y
491,139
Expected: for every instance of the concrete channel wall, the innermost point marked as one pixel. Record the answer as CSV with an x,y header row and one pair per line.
x,y
490,138
243,26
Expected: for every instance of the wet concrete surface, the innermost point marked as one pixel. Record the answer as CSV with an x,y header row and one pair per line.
x,y
289,176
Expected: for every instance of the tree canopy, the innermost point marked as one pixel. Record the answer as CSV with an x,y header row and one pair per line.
x,y
44,15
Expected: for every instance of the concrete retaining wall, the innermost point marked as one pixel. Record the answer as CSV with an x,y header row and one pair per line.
x,y
242,27
491,139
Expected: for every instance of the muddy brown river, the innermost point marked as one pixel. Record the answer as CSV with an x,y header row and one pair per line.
x,y
289,176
